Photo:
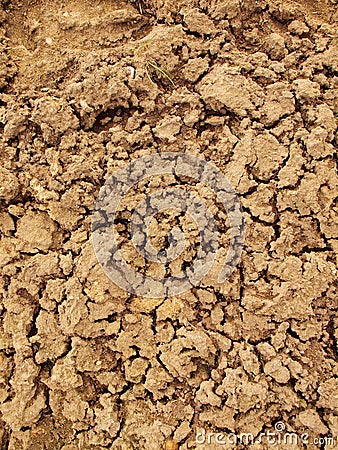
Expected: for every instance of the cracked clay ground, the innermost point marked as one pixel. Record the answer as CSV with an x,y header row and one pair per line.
x,y
84,364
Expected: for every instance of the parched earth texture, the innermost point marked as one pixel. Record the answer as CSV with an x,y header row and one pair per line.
x,y
86,365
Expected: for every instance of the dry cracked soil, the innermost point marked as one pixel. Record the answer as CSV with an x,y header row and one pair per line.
x,y
86,365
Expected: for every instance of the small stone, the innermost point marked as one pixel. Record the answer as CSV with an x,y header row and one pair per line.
x,y
170,444
215,120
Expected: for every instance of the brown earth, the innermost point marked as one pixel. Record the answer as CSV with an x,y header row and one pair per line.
x,y
85,365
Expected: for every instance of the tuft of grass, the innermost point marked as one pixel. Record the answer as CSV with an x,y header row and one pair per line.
x,y
162,70
152,65
143,46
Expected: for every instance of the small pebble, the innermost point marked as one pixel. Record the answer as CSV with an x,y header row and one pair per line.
x,y
170,444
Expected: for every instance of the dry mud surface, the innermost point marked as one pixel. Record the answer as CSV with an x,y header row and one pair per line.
x,y
84,364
